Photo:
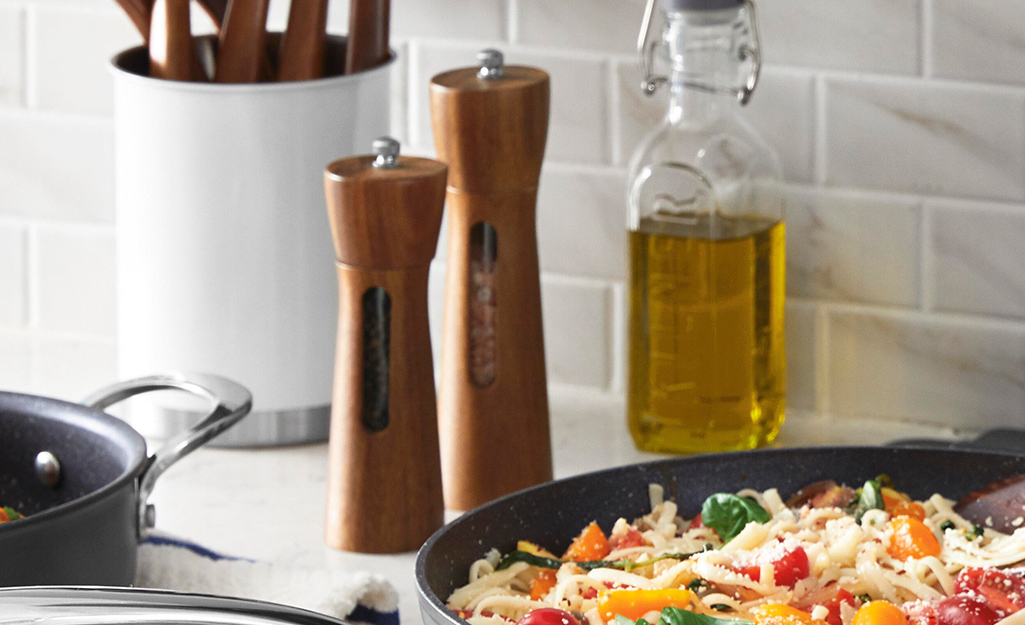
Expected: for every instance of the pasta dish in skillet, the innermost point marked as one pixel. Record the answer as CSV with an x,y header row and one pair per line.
x,y
829,555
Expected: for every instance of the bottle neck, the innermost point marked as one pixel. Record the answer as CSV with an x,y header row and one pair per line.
x,y
703,49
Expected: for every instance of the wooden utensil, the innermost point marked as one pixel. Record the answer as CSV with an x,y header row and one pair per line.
x,y
302,46
139,11
384,477
369,23
490,126
171,50
216,9
241,52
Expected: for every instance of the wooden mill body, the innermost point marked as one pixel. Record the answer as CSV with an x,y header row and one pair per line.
x,y
492,132
384,487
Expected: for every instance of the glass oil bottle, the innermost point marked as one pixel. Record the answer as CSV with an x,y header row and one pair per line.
x,y
706,361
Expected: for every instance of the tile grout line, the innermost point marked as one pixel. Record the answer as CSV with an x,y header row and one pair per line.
x,y
618,338
822,370
926,262
819,139
927,45
614,115
29,64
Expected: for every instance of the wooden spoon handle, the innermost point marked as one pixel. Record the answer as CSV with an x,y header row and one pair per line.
x,y
139,11
171,51
368,34
242,50
302,47
216,9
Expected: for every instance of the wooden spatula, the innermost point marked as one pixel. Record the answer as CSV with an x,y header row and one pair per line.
x,y
171,51
242,51
368,34
302,47
215,9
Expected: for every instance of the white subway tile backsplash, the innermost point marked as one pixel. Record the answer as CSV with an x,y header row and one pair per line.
x,y
13,276
576,129
581,221
448,19
923,138
930,370
599,26
978,253
852,248
56,167
76,290
72,368
982,40
15,362
860,35
12,58
801,345
781,110
577,324
72,49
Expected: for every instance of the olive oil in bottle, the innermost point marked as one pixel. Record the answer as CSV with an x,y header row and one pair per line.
x,y
706,368
707,365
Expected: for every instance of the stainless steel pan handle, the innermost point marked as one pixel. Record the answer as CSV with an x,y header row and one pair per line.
x,y
230,402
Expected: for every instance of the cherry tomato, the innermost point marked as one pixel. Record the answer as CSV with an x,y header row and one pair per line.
x,y
789,565
1003,591
630,538
879,613
591,544
842,596
910,538
912,509
548,616
964,610
541,584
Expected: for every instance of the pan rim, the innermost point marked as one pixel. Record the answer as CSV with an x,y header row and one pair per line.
x,y
428,598
80,417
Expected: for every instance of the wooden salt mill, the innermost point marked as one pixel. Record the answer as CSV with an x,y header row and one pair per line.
x,y
490,126
384,478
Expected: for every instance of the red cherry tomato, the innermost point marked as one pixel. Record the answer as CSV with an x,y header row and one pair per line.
x,y
630,538
842,596
548,616
789,565
964,610
1003,591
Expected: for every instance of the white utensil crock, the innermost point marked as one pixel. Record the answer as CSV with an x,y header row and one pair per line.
x,y
224,256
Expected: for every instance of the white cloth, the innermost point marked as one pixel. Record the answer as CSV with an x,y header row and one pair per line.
x,y
173,564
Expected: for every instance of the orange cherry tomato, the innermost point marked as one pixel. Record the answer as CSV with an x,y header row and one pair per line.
x,y
541,584
591,544
879,613
912,509
891,498
910,538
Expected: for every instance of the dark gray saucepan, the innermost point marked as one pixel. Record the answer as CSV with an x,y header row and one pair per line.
x,y
552,514
84,518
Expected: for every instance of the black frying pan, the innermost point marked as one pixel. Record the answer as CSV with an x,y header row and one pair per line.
x,y
82,478
553,514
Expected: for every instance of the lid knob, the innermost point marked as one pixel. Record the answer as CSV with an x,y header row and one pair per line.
x,y
491,62
386,150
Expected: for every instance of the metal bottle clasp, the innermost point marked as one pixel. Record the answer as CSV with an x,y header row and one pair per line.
x,y
651,82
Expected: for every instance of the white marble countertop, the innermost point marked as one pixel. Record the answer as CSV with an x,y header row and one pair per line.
x,y
269,504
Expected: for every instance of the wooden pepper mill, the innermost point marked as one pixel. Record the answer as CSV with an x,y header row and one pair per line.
x,y
490,126
384,479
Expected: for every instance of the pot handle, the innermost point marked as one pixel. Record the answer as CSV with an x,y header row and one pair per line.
x,y
230,400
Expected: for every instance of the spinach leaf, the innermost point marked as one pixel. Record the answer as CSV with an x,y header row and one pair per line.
x,y
11,513
622,620
677,616
729,514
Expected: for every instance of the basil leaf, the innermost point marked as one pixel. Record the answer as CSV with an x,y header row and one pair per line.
x,y
871,497
677,616
729,514
523,556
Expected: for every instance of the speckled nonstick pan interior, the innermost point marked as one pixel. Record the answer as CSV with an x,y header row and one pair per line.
x,y
552,514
